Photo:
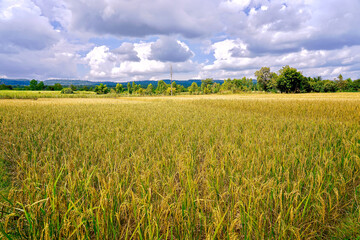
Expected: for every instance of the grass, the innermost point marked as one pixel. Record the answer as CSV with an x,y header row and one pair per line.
x,y
266,166
18,94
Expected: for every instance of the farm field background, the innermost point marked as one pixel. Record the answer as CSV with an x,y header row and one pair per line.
x,y
247,166
23,94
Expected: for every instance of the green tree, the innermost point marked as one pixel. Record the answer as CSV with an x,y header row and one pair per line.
x,y
119,88
356,85
215,87
161,87
129,88
264,76
168,91
135,87
290,80
141,91
5,87
227,85
193,88
238,84
50,88
316,85
202,86
73,87
174,87
349,85
101,89
272,85
207,89
40,86
180,88
33,84
207,83
57,87
150,89
342,84
330,86
340,77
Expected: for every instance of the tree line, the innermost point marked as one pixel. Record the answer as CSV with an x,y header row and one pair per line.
x,y
286,80
290,80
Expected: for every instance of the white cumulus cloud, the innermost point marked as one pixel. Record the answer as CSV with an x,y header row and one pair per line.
x,y
105,63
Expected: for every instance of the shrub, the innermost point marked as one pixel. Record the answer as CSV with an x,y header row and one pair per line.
x,y
101,89
67,91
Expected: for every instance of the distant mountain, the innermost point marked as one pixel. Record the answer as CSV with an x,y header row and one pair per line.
x,y
185,83
68,82
15,82
65,82
143,83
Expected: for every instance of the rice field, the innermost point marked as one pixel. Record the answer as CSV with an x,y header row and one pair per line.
x,y
23,94
248,166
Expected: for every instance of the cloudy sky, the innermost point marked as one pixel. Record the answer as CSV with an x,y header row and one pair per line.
x,y
122,40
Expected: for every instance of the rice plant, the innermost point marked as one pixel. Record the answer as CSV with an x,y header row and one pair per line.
x,y
250,166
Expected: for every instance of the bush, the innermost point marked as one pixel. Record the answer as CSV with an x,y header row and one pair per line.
x,y
168,91
101,89
5,87
67,91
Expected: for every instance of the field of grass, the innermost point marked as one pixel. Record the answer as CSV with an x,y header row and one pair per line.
x,y
267,166
15,94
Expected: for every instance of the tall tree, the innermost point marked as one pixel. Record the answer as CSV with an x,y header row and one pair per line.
x,y
193,88
340,77
73,87
40,86
207,83
119,88
161,87
135,87
33,84
227,84
150,89
290,80
341,83
264,76
57,87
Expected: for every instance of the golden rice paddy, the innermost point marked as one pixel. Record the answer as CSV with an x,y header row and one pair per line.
x,y
247,166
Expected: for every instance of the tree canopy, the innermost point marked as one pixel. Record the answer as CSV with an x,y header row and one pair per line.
x,y
263,78
290,80
101,89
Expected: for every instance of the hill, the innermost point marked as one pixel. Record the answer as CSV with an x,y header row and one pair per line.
x,y
15,82
143,83
185,83
65,82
